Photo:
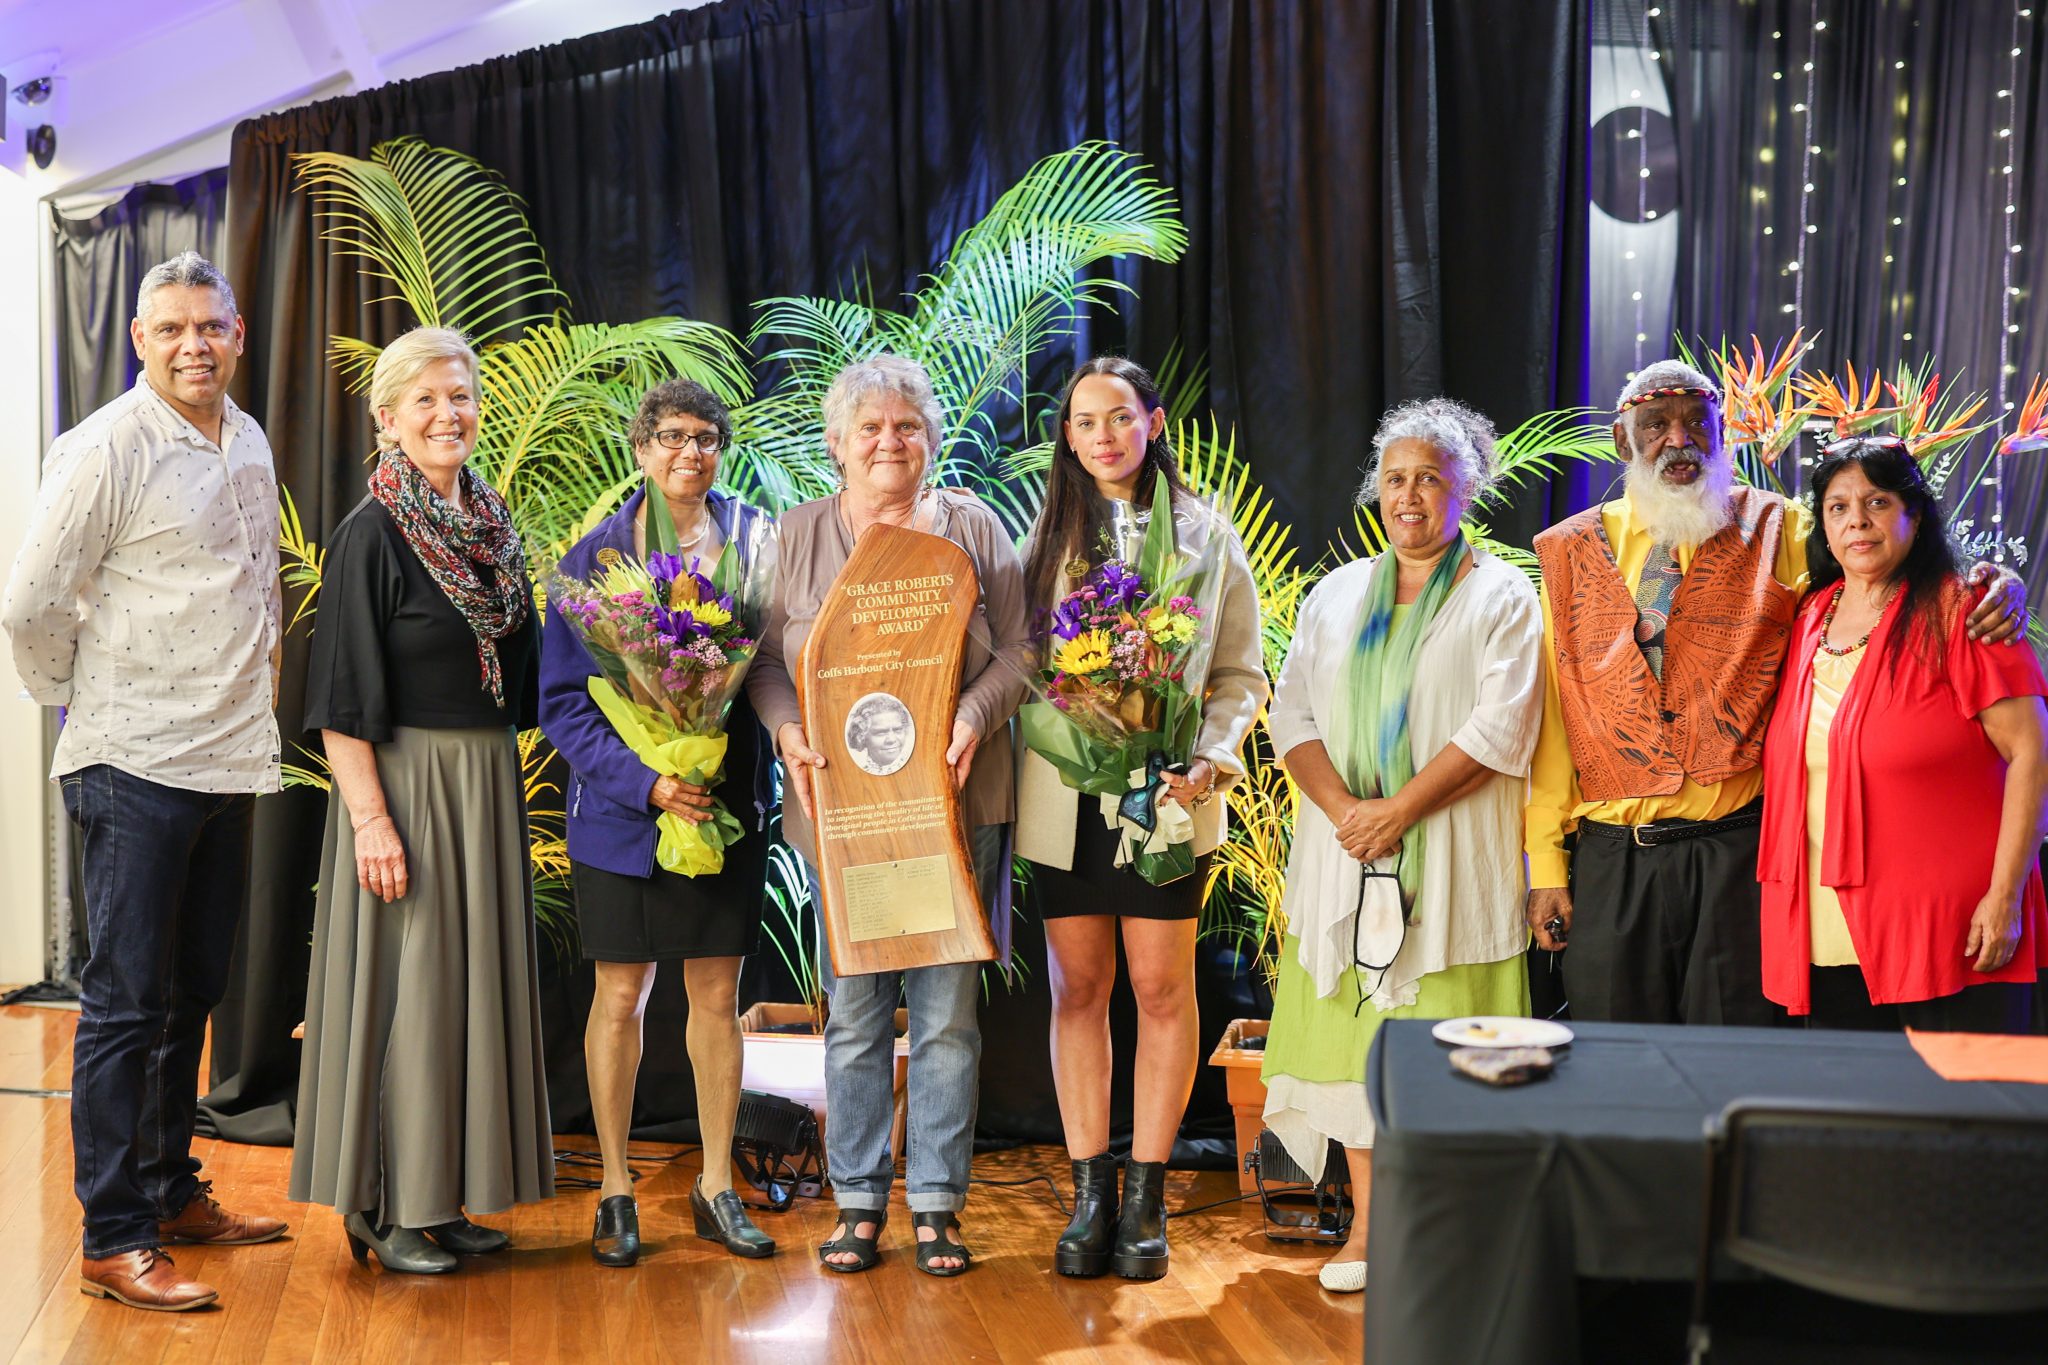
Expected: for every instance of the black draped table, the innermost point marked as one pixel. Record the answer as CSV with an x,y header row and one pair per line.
x,y
1487,1203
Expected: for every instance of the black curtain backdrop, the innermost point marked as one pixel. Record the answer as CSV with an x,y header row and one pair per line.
x,y
1385,200
1909,197
101,261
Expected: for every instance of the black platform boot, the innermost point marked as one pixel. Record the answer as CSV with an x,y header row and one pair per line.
x,y
1084,1247
1141,1224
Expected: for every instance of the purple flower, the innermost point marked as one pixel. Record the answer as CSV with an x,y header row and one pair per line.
x,y
666,568
678,624
1070,617
1120,587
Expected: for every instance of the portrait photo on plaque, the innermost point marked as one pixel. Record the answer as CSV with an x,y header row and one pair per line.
x,y
880,734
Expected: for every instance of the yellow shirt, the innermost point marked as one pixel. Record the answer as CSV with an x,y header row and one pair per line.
x,y
1555,804
1828,931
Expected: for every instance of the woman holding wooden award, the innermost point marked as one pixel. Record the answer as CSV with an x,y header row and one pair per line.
x,y
1153,677
837,635
634,908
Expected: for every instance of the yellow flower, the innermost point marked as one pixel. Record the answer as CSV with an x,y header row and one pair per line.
x,y
1087,652
711,614
620,579
1168,627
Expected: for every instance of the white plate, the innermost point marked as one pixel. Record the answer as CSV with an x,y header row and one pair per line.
x,y
1501,1030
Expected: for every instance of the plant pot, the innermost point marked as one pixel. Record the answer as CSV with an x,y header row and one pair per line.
x,y
792,1064
1246,1090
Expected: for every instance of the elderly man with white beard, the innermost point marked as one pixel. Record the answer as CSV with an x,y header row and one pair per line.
x,y
1665,619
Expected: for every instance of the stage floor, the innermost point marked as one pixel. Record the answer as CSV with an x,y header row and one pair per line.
x,y
1232,1295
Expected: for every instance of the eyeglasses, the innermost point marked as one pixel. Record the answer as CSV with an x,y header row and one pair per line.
x,y
1849,444
706,441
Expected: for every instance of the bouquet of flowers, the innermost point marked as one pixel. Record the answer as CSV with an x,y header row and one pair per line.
x,y
672,639
1127,658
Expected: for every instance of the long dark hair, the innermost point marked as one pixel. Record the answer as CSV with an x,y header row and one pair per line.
x,y
1930,564
1063,520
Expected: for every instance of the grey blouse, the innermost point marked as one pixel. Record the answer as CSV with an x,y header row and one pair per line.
x,y
815,545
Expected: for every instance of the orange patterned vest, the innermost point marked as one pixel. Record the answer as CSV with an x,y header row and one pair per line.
x,y
1730,618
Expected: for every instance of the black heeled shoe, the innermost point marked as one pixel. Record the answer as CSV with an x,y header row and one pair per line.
x,y
469,1239
721,1219
406,1250
615,1239
1141,1223
1084,1248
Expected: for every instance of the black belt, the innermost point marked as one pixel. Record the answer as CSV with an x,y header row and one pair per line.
x,y
1673,831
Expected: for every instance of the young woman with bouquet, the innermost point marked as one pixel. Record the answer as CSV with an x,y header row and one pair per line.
x,y
1152,679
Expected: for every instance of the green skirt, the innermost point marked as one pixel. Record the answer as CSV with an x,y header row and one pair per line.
x,y
1323,1039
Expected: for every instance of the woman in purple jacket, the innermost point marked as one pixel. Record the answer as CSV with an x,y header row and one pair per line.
x,y
633,915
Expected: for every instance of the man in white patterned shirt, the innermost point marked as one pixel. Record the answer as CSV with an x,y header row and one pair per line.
x,y
146,601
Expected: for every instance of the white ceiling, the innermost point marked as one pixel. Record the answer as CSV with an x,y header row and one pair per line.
x,y
152,89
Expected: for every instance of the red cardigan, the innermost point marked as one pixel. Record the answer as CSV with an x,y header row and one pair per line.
x,y
1914,795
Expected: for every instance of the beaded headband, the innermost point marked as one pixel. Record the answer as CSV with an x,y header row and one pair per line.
x,y
1680,391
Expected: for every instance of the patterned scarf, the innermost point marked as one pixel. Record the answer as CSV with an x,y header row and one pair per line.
x,y
451,544
1371,749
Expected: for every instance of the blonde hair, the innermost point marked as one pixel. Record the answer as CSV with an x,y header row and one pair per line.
x,y
404,361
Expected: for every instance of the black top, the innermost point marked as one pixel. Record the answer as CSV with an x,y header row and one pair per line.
x,y
390,649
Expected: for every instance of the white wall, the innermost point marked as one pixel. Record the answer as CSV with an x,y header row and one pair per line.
x,y
23,787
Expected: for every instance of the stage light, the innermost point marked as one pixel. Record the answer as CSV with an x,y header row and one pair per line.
x,y
1898,66
1637,296
1792,265
776,1148
1767,231
36,91
1299,1209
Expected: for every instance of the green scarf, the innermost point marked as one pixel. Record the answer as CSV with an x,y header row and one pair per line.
x,y
1371,751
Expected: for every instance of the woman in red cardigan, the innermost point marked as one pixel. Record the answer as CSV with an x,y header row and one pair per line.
x,y
1905,777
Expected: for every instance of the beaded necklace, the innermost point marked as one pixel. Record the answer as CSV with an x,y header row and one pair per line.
x,y
1827,622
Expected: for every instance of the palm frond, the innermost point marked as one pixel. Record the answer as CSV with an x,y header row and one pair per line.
x,y
442,228
303,560
313,773
354,360
1209,461
1248,875
1535,448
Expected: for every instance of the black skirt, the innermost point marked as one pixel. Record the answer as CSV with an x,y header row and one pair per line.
x,y
667,918
1097,886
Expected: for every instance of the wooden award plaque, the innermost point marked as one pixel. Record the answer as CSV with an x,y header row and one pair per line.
x,y
879,681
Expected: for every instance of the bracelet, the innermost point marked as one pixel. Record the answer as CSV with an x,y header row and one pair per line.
x,y
359,826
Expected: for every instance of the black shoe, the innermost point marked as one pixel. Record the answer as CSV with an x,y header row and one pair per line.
x,y
615,1240
1141,1224
1084,1247
402,1249
721,1219
469,1239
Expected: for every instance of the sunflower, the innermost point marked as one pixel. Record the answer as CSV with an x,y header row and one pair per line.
x,y
1086,653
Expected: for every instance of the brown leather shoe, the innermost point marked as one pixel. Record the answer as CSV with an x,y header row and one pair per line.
x,y
207,1223
143,1279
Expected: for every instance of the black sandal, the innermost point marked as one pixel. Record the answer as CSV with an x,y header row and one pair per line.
x,y
941,1245
846,1243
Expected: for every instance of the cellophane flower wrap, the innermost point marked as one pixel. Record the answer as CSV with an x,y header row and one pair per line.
x,y
1125,665
672,639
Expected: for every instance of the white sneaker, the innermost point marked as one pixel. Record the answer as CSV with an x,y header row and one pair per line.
x,y
1347,1277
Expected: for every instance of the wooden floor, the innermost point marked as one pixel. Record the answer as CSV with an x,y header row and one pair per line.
x,y
1232,1294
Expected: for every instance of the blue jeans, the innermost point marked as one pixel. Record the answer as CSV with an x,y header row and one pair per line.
x,y
945,1068
165,873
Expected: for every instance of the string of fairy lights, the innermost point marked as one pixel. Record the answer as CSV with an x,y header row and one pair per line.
x,y
2010,135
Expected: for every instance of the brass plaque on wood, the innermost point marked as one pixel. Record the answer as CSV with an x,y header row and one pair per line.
x,y
879,681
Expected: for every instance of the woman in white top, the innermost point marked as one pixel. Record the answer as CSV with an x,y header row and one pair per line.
x,y
1406,713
